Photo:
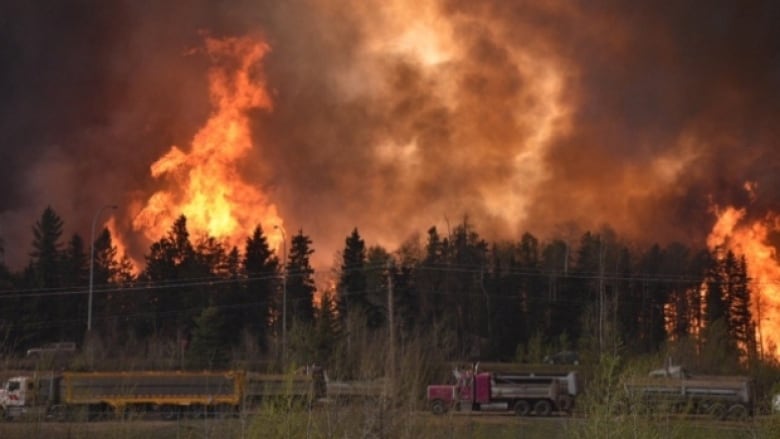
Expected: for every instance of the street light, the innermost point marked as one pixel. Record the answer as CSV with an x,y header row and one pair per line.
x,y
92,261
284,293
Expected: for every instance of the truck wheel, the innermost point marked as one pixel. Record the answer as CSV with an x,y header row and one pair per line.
x,y
543,407
738,412
59,413
522,408
438,407
169,412
718,411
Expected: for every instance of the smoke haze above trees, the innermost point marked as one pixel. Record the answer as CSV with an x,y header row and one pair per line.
x,y
554,117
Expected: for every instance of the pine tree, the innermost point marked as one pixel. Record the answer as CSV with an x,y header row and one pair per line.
x,y
530,297
466,289
377,273
715,304
47,249
352,279
555,263
43,315
168,264
718,333
652,296
327,328
741,318
300,280
209,349
430,277
75,275
261,269
111,272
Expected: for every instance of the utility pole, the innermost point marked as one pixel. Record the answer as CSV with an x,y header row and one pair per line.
x,y
284,293
601,296
391,319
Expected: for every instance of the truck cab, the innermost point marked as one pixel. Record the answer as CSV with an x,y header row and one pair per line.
x,y
15,396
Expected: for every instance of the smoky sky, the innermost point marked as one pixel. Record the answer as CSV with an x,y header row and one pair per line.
x,y
661,109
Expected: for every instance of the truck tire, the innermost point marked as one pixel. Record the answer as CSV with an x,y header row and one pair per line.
x,y
718,411
543,407
522,408
738,412
169,412
438,407
59,413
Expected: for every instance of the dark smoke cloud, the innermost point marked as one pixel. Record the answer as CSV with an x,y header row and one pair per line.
x,y
666,107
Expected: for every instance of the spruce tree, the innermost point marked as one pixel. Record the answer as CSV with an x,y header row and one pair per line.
x,y
327,328
465,289
209,348
430,277
261,269
352,279
300,281
377,273
111,272
168,268
740,315
43,315
47,250
75,275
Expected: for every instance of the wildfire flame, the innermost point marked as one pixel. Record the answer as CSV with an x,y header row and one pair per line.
x,y
751,240
204,184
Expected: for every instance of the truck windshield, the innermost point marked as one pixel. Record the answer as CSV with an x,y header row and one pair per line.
x,y
13,385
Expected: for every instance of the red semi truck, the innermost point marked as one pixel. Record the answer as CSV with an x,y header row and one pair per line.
x,y
485,391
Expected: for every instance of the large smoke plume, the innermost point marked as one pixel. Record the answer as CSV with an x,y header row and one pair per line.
x,y
393,116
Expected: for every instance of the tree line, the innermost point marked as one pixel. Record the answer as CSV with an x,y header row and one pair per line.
x,y
469,298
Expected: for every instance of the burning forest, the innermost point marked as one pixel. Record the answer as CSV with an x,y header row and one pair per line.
x,y
594,170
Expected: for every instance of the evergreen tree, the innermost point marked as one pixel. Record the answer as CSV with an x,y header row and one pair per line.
x,y
75,271
44,321
377,273
431,278
561,309
715,304
111,272
681,279
466,289
719,334
327,328
651,297
261,268
508,311
300,280
532,299
352,280
740,315
47,250
209,348
208,262
167,268
405,296
583,296
75,275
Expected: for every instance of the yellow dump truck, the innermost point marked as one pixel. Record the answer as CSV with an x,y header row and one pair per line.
x,y
167,394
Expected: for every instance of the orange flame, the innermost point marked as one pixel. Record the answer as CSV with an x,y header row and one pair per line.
x,y
204,183
118,242
751,240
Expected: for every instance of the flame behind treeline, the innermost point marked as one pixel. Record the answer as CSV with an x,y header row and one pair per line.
x,y
552,117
